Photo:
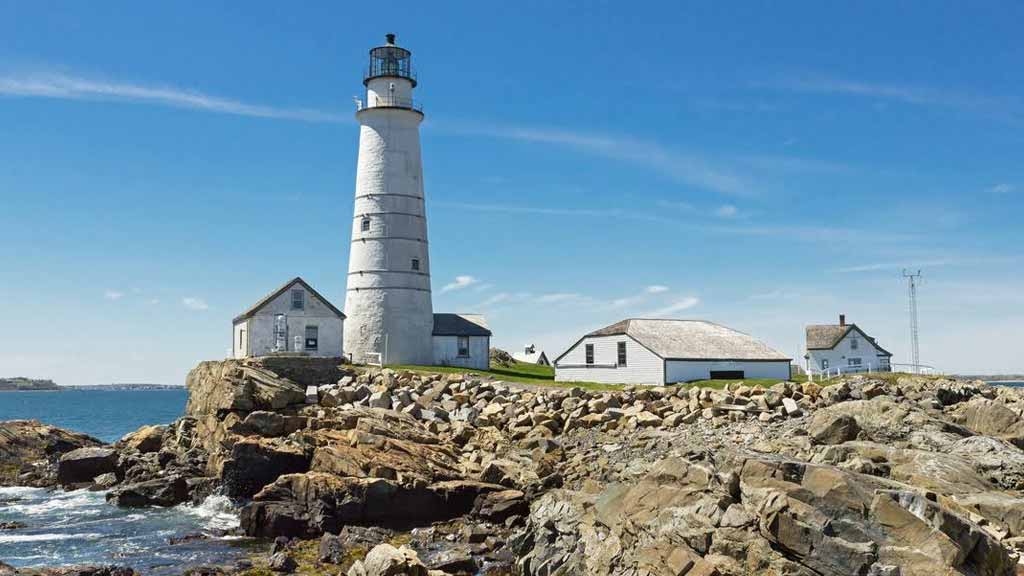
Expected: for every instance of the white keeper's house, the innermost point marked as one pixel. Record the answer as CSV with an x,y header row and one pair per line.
x,y
844,348
646,351
531,355
294,318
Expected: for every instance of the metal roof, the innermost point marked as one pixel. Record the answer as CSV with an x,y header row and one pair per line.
x,y
692,340
447,324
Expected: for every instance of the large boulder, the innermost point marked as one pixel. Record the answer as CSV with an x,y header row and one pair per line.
x,y
166,492
146,439
29,451
828,428
256,462
991,418
386,560
82,465
310,504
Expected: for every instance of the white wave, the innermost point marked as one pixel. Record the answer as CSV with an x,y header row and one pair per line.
x,y
74,502
216,513
12,538
20,491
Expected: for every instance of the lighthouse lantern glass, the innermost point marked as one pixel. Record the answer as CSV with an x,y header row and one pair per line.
x,y
390,61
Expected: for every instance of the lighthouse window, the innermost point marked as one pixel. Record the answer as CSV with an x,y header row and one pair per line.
x,y
415,263
366,225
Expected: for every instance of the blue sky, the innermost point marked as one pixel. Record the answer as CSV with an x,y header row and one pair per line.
x,y
763,165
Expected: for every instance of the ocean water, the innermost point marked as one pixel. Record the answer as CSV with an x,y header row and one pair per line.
x,y
64,528
1015,383
105,414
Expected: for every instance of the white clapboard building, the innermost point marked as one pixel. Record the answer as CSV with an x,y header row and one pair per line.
x,y
647,351
462,340
294,318
844,348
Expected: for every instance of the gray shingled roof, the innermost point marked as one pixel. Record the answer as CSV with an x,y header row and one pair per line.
x,y
692,340
266,300
826,336
460,325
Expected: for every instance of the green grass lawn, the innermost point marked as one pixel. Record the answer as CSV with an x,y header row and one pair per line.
x,y
517,372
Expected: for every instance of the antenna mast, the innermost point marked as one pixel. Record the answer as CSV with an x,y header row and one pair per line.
x,y
915,350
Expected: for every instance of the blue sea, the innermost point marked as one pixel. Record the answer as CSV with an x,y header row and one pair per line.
x,y
64,528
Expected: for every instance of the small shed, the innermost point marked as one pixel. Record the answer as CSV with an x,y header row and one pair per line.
x,y
531,355
462,340
294,318
657,351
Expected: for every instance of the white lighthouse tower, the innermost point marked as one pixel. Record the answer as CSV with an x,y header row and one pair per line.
x,y
388,301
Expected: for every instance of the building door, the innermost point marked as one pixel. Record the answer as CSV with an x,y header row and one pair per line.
x,y
727,375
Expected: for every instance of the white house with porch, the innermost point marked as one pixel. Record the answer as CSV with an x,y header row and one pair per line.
x,y
644,351
844,348
294,318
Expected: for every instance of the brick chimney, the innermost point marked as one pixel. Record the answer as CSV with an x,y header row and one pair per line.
x,y
842,319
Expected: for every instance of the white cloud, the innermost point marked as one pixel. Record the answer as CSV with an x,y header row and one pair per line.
x,y
904,93
673,308
195,303
459,283
113,295
1002,188
656,289
726,211
66,87
674,164
154,301
557,297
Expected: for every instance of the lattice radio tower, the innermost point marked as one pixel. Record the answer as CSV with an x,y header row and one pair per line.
x,y
912,280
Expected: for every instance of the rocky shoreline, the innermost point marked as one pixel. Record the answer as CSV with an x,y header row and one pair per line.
x,y
409,473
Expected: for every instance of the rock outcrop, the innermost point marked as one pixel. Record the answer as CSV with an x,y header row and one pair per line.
x,y
29,451
873,477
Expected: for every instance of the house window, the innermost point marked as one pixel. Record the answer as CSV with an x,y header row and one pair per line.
x,y
854,343
824,364
241,340
622,353
590,354
312,337
463,342
298,300
366,225
853,361
415,263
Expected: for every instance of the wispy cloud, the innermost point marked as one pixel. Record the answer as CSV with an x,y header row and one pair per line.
x,y
726,211
674,164
961,260
1002,188
195,303
674,308
656,289
113,295
69,87
459,283
903,93
558,297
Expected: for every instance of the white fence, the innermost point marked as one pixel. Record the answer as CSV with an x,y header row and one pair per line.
x,y
831,373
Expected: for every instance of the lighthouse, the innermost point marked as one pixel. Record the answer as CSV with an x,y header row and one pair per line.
x,y
388,301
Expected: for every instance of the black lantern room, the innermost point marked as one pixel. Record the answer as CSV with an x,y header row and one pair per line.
x,y
390,61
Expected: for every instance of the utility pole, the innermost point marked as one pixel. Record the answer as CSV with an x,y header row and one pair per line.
x,y
912,280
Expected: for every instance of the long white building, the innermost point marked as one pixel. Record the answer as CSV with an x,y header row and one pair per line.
x,y
646,351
